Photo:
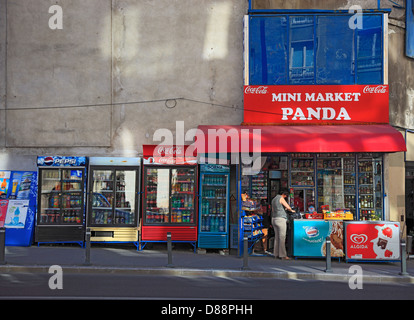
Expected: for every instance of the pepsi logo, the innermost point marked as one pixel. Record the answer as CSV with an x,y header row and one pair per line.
x,y
48,161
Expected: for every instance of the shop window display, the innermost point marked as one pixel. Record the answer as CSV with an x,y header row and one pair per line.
x,y
370,187
330,182
302,170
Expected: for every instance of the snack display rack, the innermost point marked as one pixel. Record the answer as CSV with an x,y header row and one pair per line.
x,y
256,185
251,225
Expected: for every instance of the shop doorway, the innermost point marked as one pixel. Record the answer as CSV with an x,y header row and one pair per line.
x,y
278,180
274,188
302,199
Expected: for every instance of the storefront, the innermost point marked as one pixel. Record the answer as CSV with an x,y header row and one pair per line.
x,y
346,184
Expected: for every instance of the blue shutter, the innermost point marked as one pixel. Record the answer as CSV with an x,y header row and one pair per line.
x,y
268,50
409,27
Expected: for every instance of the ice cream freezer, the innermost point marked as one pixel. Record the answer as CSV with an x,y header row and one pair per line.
x,y
372,240
309,237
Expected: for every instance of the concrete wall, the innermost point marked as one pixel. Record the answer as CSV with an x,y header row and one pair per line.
x,y
115,73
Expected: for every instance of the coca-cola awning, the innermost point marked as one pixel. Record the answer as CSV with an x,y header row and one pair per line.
x,y
287,139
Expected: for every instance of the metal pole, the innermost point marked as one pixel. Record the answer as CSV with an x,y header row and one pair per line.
x,y
2,245
403,259
245,253
328,255
169,248
88,247
409,246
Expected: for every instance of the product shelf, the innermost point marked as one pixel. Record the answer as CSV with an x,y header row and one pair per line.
x,y
251,226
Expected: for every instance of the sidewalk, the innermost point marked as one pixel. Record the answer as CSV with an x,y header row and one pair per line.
x,y
118,258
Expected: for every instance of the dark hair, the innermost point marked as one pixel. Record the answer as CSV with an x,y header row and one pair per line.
x,y
284,192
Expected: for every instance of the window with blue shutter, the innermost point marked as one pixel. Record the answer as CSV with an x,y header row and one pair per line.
x,y
315,49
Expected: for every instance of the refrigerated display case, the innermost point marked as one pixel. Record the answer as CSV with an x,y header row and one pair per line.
x,y
18,206
169,195
61,193
113,199
214,206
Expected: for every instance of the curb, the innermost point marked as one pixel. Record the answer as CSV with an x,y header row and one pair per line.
x,y
223,273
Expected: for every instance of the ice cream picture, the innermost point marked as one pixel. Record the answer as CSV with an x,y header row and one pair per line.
x,y
386,244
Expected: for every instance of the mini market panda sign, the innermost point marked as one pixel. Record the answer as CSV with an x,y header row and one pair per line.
x,y
327,104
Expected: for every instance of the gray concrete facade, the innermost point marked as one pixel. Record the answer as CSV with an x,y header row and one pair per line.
x,y
118,70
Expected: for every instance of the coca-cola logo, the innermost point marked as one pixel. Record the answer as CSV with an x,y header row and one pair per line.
x,y
256,90
168,151
375,89
167,160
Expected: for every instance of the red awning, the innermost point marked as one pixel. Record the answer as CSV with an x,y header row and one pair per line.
x,y
287,139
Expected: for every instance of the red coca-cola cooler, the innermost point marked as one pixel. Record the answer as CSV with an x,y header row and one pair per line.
x,y
169,194
372,240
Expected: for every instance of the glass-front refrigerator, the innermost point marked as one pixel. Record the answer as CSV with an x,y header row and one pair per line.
x,y
169,197
214,206
113,199
61,194
370,187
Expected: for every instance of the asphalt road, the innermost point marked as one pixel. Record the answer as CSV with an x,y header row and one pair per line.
x,y
149,287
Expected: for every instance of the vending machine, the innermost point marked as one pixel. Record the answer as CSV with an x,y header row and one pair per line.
x,y
18,194
214,206
169,195
113,199
61,194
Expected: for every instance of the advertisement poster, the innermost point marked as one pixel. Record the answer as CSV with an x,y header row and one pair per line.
x,y
4,183
372,240
309,238
3,211
24,185
16,213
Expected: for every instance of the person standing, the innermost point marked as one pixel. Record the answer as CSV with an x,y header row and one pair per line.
x,y
279,223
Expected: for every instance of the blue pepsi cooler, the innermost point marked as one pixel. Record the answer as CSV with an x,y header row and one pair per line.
x,y
61,194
